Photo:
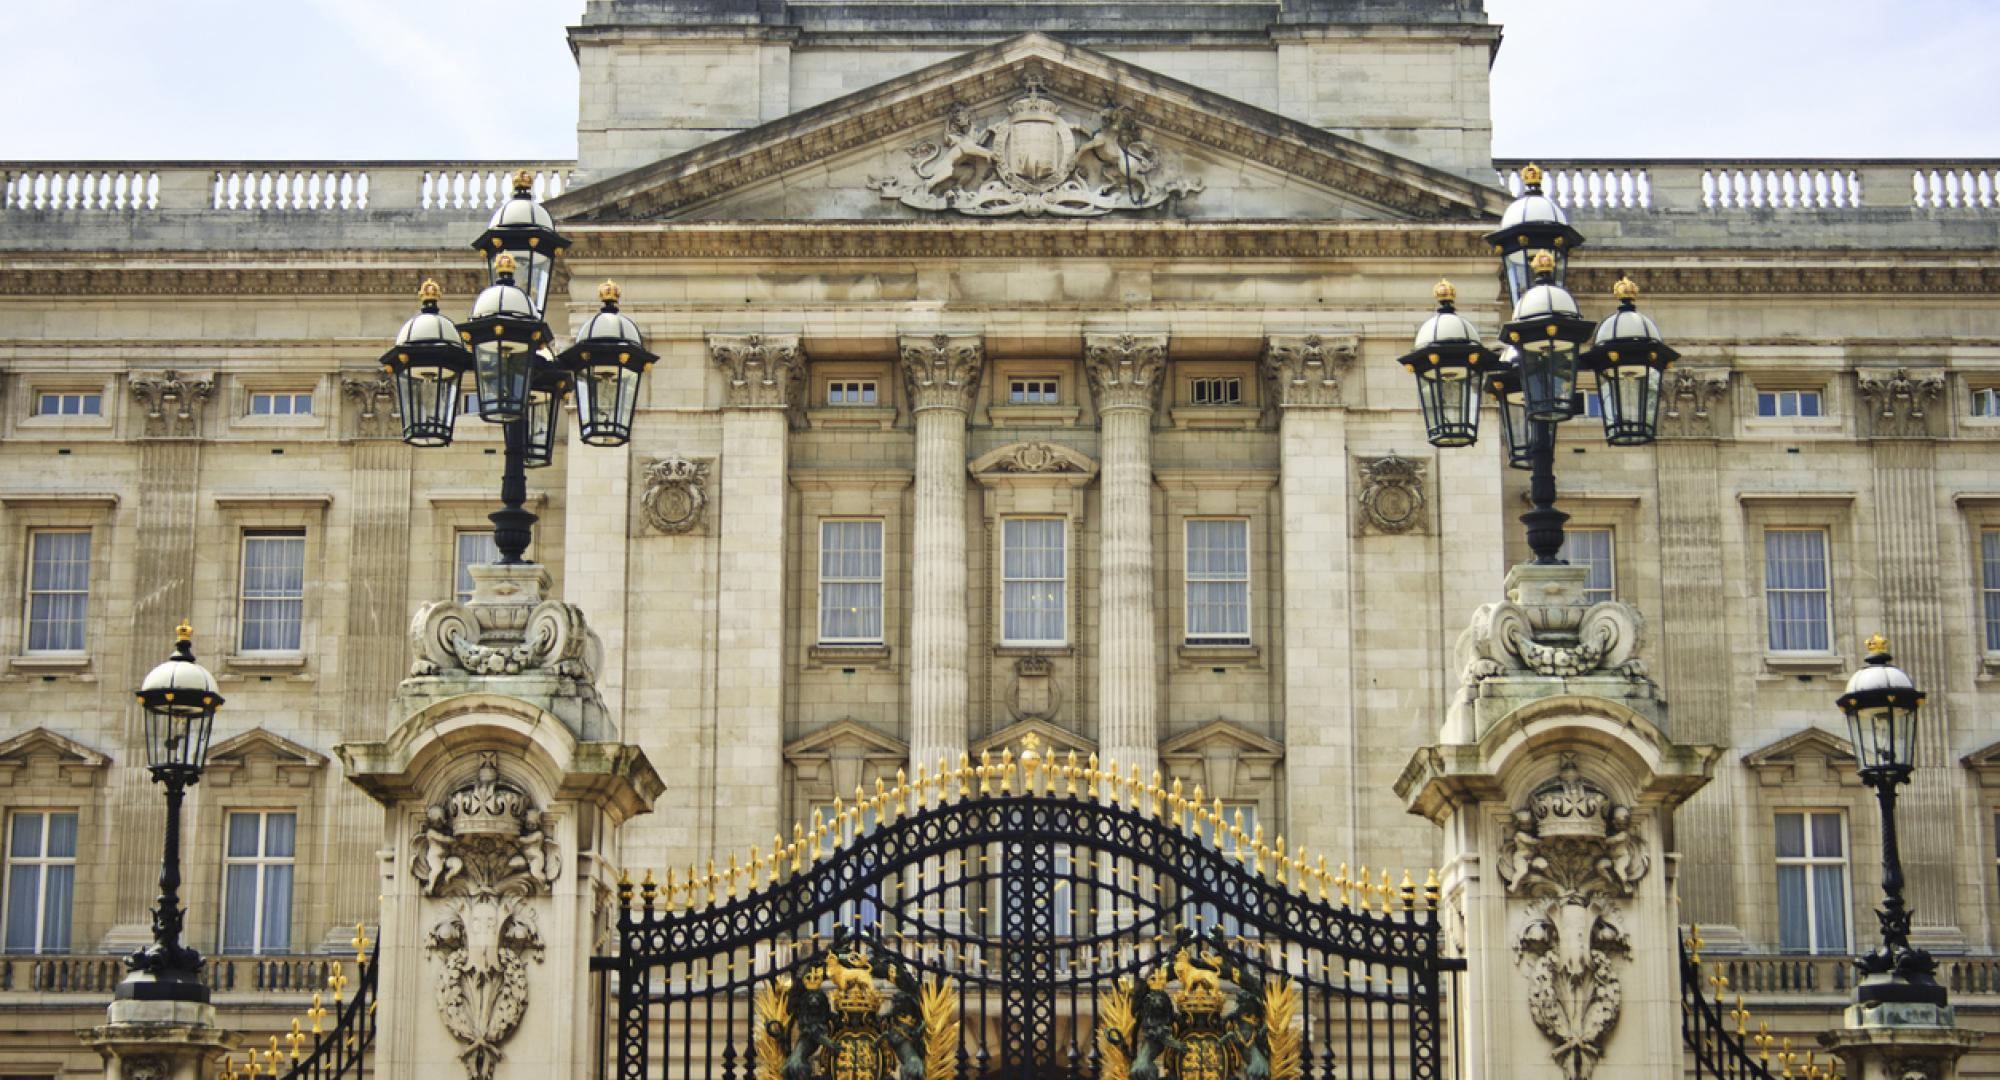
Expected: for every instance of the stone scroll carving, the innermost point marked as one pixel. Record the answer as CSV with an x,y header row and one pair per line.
x,y
676,494
1547,627
173,401
377,413
1126,371
501,638
1572,852
1392,494
484,851
764,371
1034,161
1898,402
941,371
1689,398
1306,369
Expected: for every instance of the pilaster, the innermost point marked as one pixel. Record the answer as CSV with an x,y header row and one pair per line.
x,y
1126,372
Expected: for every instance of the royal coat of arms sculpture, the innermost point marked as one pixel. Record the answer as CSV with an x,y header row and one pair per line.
x,y
1200,1018
855,1014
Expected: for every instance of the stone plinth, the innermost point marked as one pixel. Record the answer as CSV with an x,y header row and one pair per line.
x,y
1900,1042
159,1040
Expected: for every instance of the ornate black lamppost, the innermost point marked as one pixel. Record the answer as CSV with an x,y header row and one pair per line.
x,y
1881,704
1534,379
519,382
180,700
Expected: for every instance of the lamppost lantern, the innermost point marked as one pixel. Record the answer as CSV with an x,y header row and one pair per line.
x,y
428,362
1532,223
1881,704
607,361
1547,331
547,390
522,230
1451,366
1524,436
506,333
1630,360
179,698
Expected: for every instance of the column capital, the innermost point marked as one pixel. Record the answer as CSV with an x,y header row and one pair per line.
x,y
1125,369
941,369
766,371
1304,369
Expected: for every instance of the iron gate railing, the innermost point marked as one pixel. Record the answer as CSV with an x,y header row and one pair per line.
x,y
1020,920
312,1050
1719,1040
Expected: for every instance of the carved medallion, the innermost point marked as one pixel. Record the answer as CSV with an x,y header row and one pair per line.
x,y
1034,161
1392,494
676,494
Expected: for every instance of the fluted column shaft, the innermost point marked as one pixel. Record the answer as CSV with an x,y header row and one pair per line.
x,y
941,373
1126,371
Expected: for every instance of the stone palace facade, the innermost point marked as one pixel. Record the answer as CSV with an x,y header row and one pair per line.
x,y
1025,369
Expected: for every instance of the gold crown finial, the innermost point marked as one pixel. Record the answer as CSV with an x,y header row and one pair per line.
x,y
608,292
1531,174
1444,291
1876,643
184,632
1543,262
504,264
523,180
1626,289
430,292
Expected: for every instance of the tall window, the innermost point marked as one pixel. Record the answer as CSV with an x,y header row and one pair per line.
x,y
1031,391
257,882
69,404
474,548
1986,401
274,591
1989,585
58,590
1788,403
1218,582
1591,549
1032,570
41,881
1812,882
850,582
281,403
1795,590
851,392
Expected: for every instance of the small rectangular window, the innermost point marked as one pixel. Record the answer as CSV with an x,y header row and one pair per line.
x,y
1218,582
1033,574
851,392
286,403
1592,548
1212,390
1593,404
1796,595
1788,403
41,881
257,869
1031,391
850,582
1986,401
69,404
474,548
1812,882
274,591
58,590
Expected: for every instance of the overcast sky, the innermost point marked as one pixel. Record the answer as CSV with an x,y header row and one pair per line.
x,y
429,79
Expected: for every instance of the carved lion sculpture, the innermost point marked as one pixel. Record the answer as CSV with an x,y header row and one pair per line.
x,y
1196,977
850,973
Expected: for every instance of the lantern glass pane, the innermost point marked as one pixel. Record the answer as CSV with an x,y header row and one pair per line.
x,y
606,397
1548,380
1631,395
501,369
544,422
532,271
427,395
1450,399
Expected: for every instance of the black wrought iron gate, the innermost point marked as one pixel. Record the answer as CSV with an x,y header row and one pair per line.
x,y
1026,921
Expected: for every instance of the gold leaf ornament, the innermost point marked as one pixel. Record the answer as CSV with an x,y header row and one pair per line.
x,y
774,1027
1281,1004
1117,1030
939,1003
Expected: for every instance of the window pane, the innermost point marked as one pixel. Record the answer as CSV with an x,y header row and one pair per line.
x,y
850,570
24,889
59,892
277,909
1829,909
1826,836
62,836
1794,930
1033,572
58,591
474,549
273,592
27,836
1591,549
243,837
239,908
1791,836
279,830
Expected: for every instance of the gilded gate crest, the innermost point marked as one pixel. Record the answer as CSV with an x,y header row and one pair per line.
x,y
855,1014
1200,1018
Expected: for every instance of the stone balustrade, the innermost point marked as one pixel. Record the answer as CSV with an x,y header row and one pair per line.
x,y
99,975
1782,975
327,187
1722,185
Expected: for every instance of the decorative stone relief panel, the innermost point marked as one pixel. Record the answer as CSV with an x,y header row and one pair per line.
x,y
174,401
377,415
675,499
1306,369
1391,496
1547,628
1032,160
1898,402
1690,401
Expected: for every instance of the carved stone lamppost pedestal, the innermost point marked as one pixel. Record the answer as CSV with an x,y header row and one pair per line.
x,y
160,1040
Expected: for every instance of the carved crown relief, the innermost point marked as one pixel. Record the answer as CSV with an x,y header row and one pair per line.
x,y
1392,495
173,401
1032,160
1898,402
676,494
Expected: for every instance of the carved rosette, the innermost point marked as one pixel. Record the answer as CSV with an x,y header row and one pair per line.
x,y
1304,370
941,370
1898,403
1689,401
377,414
173,401
676,494
1126,370
1547,628
484,850
1571,851
1392,495
765,371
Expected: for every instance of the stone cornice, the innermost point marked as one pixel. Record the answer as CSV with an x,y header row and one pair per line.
x,y
1126,370
120,275
1739,273
941,370
765,371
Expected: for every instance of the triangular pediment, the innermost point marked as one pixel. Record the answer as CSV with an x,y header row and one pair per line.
x,y
1052,742
1985,764
1221,737
847,737
1806,755
1032,128
41,754
258,755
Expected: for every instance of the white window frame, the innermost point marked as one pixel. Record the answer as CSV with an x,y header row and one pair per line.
x,y
878,581
290,399
868,390
63,397
1986,402
1034,390
1610,534
1062,584
243,597
1809,861
460,577
1989,590
1188,581
42,862
261,861
1825,592
29,592
1795,397
1213,384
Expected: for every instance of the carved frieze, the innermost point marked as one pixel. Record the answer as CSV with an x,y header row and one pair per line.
x,y
1304,370
1392,497
676,494
1690,401
765,371
1126,370
1898,402
1033,161
173,401
377,414
941,370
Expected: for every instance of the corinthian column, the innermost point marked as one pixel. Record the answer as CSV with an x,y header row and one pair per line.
x,y
941,373
1126,371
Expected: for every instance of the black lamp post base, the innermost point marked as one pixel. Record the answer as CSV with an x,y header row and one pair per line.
x,y
1881,984
163,986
